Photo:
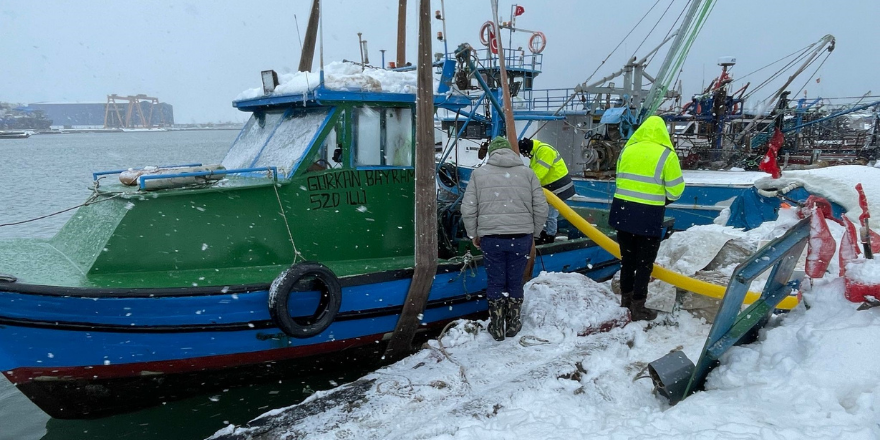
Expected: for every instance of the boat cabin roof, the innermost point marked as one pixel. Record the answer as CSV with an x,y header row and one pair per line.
x,y
321,96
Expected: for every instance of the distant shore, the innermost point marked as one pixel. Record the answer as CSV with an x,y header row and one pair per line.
x,y
132,130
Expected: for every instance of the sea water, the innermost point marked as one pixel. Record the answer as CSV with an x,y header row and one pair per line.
x,y
47,174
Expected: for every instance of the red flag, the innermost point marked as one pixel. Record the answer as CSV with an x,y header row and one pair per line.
x,y
768,164
519,11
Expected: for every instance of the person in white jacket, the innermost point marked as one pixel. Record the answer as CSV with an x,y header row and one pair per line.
x,y
503,209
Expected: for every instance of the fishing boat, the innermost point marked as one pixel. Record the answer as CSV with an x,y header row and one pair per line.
x,y
590,123
293,254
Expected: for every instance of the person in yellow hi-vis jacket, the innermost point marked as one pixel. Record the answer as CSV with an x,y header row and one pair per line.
x,y
548,165
648,178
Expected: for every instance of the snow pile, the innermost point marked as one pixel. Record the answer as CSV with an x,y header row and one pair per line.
x,y
864,271
340,76
836,184
814,373
570,304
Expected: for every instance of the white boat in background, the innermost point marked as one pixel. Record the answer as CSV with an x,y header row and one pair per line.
x,y
127,130
15,134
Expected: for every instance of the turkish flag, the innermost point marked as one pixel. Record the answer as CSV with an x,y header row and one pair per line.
x,y
768,164
519,11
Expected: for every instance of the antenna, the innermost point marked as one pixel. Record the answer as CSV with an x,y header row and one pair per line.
x,y
321,31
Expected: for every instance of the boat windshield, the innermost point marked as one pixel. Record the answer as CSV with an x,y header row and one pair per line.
x,y
275,138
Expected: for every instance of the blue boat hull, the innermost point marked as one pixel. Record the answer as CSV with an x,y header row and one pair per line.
x,y
84,353
700,204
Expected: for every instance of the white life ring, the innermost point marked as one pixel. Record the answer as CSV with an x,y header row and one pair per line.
x,y
487,36
487,32
537,42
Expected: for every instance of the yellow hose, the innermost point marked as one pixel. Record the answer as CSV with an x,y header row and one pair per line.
x,y
661,273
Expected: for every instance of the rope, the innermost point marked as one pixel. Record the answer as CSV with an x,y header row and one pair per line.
x,y
827,54
467,262
655,25
597,69
777,73
90,201
461,370
296,253
531,341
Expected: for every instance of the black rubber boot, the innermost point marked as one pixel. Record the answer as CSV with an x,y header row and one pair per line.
x,y
638,311
514,316
497,314
626,299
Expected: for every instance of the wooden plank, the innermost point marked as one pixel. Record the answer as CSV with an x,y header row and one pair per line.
x,y
400,344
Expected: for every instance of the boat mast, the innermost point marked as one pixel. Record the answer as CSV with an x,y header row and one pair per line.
x,y
401,33
308,49
425,269
321,30
687,33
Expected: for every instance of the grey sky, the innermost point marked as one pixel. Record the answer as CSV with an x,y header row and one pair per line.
x,y
199,55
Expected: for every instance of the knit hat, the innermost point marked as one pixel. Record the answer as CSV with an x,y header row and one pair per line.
x,y
498,143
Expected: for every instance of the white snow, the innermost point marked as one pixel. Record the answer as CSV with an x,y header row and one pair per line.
x,y
813,374
864,271
340,76
836,184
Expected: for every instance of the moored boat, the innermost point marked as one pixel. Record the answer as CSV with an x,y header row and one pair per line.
x,y
294,254
15,134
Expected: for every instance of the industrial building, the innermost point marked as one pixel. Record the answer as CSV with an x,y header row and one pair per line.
x,y
138,111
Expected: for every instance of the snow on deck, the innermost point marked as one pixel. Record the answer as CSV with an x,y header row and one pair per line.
x,y
813,374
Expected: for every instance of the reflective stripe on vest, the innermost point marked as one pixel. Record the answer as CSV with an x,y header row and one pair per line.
x,y
555,167
641,188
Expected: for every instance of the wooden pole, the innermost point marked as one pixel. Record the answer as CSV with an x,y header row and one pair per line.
x,y
401,33
508,109
400,344
308,49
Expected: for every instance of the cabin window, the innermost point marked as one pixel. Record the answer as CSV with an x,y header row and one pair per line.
x,y
251,139
292,139
275,138
328,155
383,136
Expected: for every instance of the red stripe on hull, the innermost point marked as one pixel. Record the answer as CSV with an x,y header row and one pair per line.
x,y
178,366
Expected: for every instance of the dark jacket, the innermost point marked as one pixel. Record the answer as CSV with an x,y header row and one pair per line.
x,y
636,218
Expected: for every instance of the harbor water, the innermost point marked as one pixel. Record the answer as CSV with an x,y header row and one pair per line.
x,y
47,174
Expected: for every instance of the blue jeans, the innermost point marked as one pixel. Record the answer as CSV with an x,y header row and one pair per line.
x,y
551,226
505,259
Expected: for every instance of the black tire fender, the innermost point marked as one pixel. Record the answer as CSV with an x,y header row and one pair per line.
x,y
322,279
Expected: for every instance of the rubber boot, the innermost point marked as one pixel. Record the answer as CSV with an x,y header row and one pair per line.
x,y
497,314
626,299
638,311
514,317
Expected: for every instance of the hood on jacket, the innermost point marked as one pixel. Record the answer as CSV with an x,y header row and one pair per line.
x,y
652,130
505,157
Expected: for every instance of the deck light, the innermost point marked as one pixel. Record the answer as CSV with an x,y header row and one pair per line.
x,y
270,81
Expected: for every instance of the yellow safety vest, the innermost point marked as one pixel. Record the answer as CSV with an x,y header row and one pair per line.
x,y
547,163
648,171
